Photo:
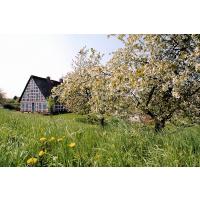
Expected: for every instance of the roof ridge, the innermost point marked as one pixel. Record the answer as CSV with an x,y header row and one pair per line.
x,y
33,76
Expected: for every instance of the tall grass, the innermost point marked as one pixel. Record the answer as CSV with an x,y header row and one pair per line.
x,y
117,144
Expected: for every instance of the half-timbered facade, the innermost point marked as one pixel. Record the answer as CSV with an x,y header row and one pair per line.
x,y
34,98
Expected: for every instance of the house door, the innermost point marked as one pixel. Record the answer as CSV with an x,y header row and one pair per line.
x,y
33,107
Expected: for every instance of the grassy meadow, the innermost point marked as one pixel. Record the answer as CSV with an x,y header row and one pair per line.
x,y
70,140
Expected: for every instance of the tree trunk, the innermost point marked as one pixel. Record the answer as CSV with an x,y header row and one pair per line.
x,y
102,121
159,125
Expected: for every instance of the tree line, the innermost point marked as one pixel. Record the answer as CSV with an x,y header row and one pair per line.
x,y
156,75
7,103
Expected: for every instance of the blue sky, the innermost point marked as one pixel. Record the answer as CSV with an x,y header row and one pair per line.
x,y
44,55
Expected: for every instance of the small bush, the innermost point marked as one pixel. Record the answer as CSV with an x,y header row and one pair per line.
x,y
12,106
90,119
93,119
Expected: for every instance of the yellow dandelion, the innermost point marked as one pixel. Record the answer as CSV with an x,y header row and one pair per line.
x,y
43,139
41,153
52,139
72,145
32,161
60,139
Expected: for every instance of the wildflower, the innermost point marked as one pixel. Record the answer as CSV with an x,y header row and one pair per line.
x,y
72,145
60,139
41,153
43,139
55,158
52,139
32,161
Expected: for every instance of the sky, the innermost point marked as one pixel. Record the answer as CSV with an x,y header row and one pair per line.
x,y
44,55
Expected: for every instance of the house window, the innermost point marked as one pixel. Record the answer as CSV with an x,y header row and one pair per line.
x,y
44,106
40,106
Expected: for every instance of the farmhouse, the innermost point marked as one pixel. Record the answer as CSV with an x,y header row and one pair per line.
x,y
35,95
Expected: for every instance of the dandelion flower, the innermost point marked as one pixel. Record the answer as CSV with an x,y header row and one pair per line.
x,y
32,161
52,139
41,153
72,145
60,139
43,139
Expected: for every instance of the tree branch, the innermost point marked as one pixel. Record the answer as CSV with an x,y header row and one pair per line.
x,y
195,91
138,101
150,95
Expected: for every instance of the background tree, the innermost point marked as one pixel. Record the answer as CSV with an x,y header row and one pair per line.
x,y
2,97
11,103
100,102
75,91
15,98
121,84
51,104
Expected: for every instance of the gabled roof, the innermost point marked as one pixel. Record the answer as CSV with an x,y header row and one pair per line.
x,y
44,84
